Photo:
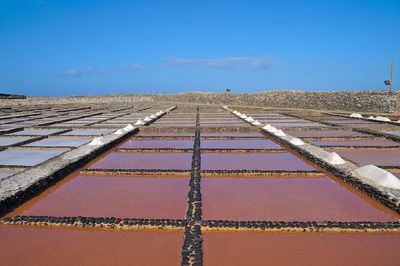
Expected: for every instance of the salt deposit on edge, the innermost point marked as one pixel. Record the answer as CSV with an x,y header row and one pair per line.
x,y
382,118
257,123
279,133
355,115
97,141
379,176
333,158
296,141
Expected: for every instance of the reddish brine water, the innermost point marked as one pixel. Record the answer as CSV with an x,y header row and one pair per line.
x,y
107,196
288,199
379,157
230,134
358,143
57,246
239,144
253,161
325,133
116,160
306,249
146,143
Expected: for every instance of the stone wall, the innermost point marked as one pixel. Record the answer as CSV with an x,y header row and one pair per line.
x,y
358,101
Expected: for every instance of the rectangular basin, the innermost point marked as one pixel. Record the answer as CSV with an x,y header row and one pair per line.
x,y
287,199
378,157
59,142
253,161
158,144
87,132
58,246
151,160
230,134
27,157
7,141
325,133
239,144
121,196
35,132
310,249
358,143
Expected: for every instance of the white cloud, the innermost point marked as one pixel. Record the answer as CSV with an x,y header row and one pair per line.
x,y
77,73
261,62
134,68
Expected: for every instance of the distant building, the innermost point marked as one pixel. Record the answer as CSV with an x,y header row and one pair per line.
x,y
11,96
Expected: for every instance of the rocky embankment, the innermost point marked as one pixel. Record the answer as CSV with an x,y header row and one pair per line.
x,y
359,101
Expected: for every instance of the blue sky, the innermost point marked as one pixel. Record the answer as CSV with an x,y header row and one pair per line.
x,y
76,47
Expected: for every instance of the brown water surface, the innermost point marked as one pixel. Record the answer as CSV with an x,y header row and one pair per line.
x,y
300,249
118,196
277,199
56,246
